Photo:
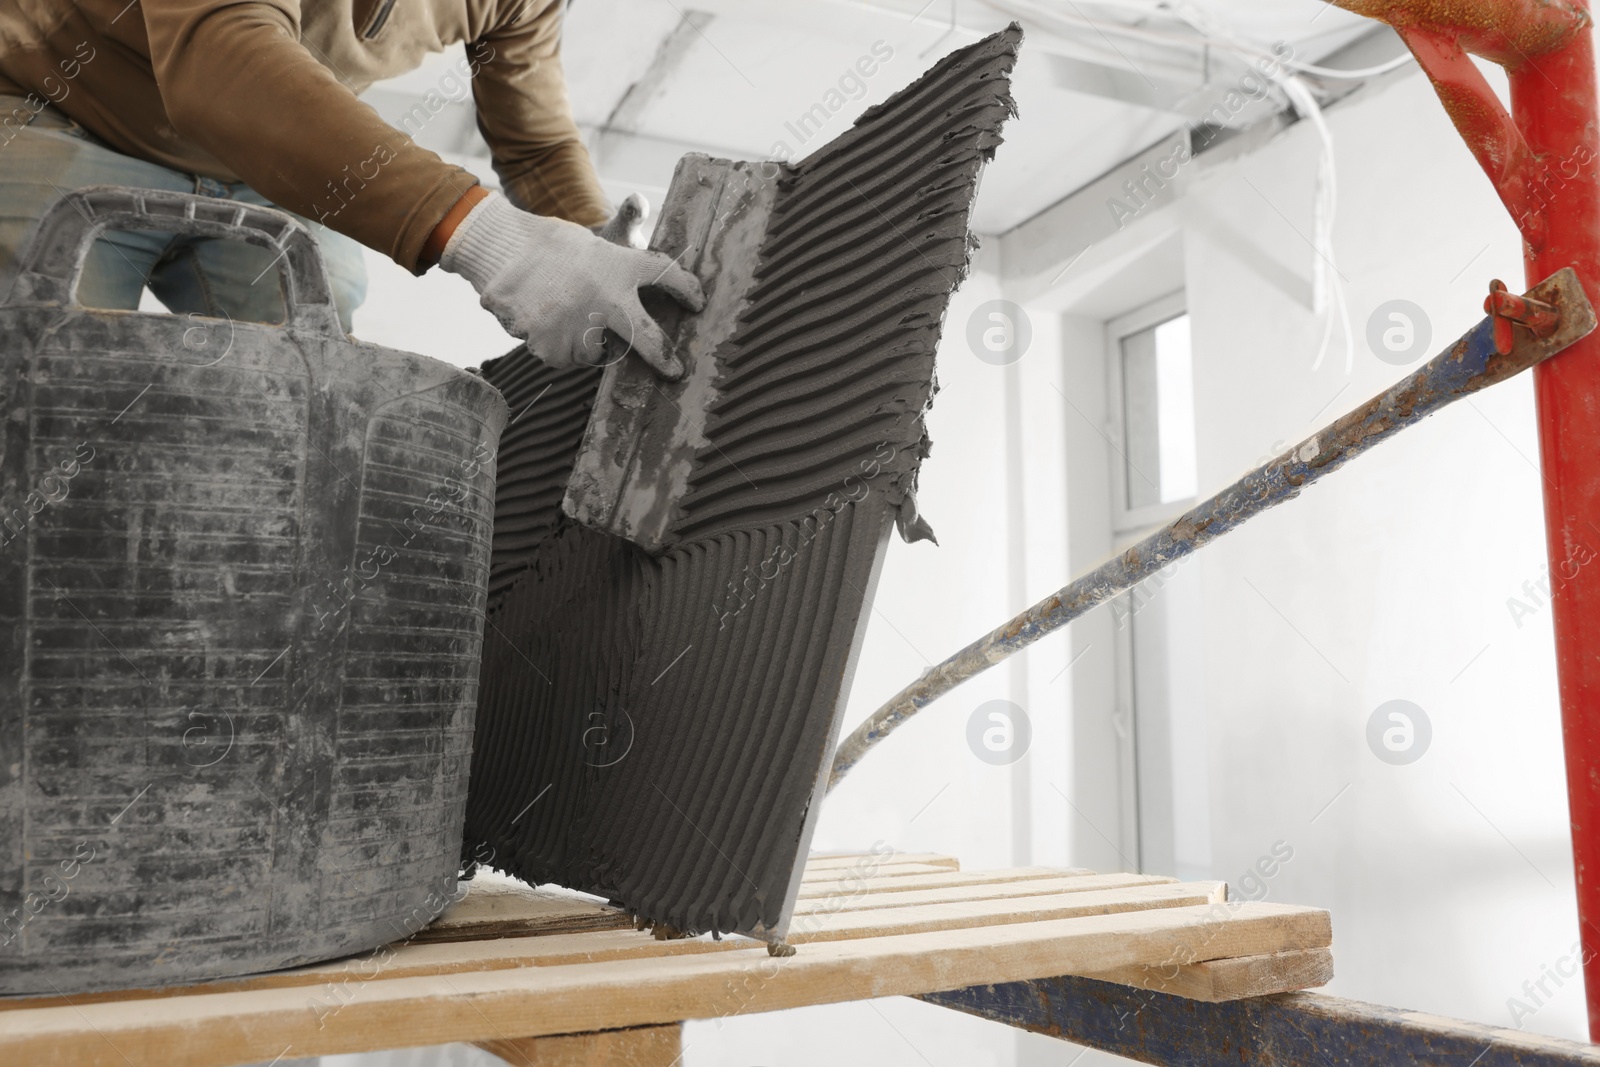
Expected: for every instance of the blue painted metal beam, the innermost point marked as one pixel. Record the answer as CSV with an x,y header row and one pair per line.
x,y
1473,363
1290,1030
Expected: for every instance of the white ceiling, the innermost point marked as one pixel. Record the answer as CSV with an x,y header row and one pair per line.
x,y
651,79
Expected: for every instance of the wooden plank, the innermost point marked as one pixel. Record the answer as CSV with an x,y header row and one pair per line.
x,y
204,1030
885,870
331,982
645,1046
939,880
842,861
500,907
978,891
497,906
1216,981
955,915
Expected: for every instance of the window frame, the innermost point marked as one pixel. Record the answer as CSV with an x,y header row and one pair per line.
x,y
1126,520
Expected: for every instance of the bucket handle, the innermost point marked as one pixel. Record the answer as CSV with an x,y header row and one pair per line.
x,y
49,267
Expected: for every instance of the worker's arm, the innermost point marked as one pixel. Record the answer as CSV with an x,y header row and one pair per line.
x,y
236,80
524,115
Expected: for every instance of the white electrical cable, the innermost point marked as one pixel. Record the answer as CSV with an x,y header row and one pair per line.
x,y
1041,15
1326,269
1202,22
1244,50
1355,75
1327,206
1300,97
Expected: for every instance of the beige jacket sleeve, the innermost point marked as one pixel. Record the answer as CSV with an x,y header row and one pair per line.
x,y
236,80
524,114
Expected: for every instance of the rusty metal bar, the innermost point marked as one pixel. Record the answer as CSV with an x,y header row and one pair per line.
x,y
1471,364
1289,1030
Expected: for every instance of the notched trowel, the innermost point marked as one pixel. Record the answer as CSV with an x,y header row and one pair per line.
x,y
638,451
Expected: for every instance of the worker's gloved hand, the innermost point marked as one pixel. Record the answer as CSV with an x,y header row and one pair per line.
x,y
560,287
626,227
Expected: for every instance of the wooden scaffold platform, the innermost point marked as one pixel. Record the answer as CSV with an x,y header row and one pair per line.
x,y
548,977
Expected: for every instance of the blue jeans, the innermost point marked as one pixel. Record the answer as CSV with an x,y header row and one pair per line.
x,y
52,155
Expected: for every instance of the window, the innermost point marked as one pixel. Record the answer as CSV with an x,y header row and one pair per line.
x,y
1160,670
1153,402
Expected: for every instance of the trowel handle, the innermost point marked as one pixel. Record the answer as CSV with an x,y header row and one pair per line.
x,y
52,262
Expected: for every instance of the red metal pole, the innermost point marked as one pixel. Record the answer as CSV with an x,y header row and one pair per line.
x,y
1553,98
1544,158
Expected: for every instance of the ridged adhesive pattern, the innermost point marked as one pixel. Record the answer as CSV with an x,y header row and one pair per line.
x,y
549,408
653,727
866,242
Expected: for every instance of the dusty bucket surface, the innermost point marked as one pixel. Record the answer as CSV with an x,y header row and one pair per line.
x,y
242,585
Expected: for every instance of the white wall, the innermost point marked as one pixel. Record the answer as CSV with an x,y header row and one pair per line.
x,y
1450,880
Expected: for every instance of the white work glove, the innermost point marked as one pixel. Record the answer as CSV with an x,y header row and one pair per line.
x,y
560,287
